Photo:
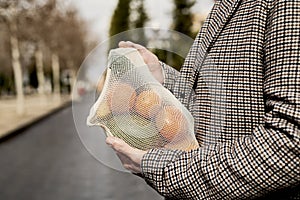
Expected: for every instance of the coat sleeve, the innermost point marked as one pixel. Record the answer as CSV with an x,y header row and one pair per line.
x,y
170,76
252,166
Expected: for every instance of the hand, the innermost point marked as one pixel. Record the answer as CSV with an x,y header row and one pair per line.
x,y
149,58
130,157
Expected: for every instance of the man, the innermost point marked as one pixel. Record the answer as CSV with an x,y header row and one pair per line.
x,y
244,68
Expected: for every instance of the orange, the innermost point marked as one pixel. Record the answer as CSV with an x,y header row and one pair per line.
x,y
121,98
148,103
170,122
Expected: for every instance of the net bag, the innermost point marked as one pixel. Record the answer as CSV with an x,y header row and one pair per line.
x,y
135,107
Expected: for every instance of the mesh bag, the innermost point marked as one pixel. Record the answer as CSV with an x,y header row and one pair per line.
x,y
135,107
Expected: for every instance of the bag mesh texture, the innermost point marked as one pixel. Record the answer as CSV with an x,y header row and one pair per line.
x,y
135,107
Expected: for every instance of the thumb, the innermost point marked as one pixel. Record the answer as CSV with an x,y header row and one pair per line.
x,y
110,140
117,144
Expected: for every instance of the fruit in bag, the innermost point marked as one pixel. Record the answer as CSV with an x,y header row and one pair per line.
x,y
121,98
148,103
135,107
170,122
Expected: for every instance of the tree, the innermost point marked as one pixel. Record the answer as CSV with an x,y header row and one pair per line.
x,y
74,45
183,21
33,31
142,16
53,33
64,34
183,18
11,12
138,19
5,60
120,21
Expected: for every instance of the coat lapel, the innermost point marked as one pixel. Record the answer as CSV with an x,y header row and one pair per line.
x,y
217,20
221,14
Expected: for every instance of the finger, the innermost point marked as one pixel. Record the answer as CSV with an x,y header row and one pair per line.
x,y
128,163
129,44
126,44
136,46
123,44
109,140
118,145
123,149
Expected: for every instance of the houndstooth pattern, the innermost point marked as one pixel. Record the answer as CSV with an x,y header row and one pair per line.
x,y
244,68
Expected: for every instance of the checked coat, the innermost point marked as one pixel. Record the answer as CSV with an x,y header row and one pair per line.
x,y
241,81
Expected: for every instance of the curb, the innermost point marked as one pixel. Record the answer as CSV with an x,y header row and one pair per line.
x,y
18,130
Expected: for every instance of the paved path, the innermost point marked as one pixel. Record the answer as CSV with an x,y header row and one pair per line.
x,y
35,106
48,161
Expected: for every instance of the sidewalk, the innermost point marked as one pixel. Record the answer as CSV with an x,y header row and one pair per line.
x,y
36,107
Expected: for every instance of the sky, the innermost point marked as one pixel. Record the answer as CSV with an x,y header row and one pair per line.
x,y
98,13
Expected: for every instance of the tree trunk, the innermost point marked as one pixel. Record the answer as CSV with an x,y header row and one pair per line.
x,y
56,73
40,70
17,73
72,76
